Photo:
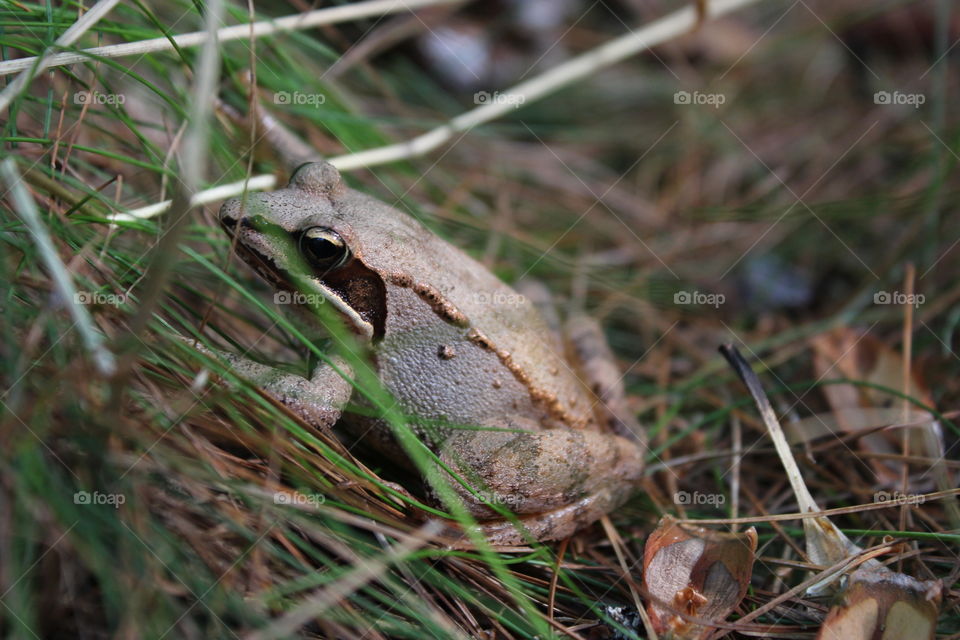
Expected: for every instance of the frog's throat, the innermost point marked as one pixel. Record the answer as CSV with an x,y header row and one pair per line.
x,y
265,266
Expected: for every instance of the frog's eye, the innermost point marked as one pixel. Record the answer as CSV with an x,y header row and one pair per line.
x,y
323,248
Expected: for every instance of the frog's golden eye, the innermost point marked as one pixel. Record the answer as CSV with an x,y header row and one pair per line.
x,y
324,248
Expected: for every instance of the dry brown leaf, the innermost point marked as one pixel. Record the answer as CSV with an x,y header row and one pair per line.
x,y
882,605
850,354
697,571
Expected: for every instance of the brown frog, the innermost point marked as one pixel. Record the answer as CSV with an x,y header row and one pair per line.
x,y
534,421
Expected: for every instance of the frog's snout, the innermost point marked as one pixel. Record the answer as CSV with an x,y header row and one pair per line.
x,y
230,214
228,222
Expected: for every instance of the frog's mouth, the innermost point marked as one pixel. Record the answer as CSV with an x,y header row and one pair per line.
x,y
355,291
264,265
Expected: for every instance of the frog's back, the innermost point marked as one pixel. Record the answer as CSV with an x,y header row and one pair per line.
x,y
451,319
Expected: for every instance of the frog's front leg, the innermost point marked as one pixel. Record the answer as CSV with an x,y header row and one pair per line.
x,y
561,479
319,399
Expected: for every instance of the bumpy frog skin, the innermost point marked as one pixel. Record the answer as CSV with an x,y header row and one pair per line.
x,y
455,346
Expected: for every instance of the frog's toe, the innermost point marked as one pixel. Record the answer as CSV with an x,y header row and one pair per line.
x,y
551,525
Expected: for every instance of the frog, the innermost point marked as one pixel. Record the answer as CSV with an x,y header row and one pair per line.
x,y
530,410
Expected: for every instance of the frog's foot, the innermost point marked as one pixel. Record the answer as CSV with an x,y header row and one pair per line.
x,y
598,368
319,399
544,472
552,525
